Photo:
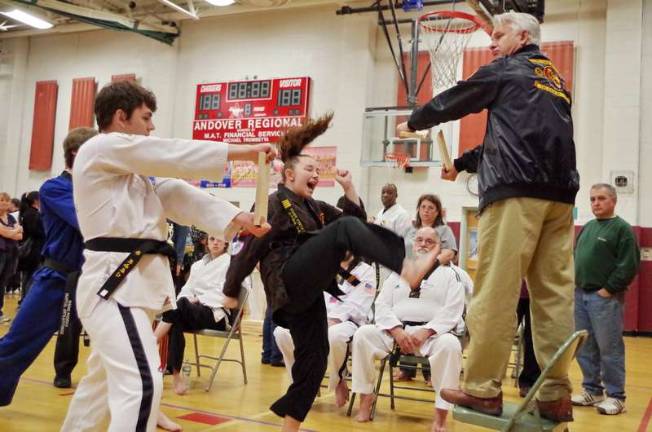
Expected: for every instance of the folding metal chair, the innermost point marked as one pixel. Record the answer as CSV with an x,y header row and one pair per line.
x,y
376,392
233,331
520,417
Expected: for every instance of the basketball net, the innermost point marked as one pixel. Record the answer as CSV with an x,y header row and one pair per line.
x,y
398,159
445,34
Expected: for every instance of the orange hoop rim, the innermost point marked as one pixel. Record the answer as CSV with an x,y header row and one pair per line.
x,y
401,159
475,23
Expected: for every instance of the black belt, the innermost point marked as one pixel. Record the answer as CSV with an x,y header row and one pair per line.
x,y
414,323
58,266
136,248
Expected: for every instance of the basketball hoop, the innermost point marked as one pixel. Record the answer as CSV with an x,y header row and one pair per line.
x,y
398,159
446,34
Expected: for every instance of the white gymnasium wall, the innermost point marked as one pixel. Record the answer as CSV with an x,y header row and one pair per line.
x,y
333,51
348,60
645,178
336,52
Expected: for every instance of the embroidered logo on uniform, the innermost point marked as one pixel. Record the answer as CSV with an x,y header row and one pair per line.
x,y
236,246
369,287
549,79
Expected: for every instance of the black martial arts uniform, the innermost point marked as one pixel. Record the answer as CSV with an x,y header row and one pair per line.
x,y
299,259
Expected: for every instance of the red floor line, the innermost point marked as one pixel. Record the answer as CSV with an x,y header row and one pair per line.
x,y
646,418
169,405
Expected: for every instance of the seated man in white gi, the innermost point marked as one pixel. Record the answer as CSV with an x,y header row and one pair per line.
x,y
423,321
199,306
345,316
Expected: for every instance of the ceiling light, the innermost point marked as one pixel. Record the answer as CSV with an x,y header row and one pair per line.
x,y
28,19
221,2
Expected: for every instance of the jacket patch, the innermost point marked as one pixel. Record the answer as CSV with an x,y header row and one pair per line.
x,y
549,79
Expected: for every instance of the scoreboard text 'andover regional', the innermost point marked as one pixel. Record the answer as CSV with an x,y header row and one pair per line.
x,y
250,112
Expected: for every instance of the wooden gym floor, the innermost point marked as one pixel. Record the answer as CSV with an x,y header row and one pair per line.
x,y
232,406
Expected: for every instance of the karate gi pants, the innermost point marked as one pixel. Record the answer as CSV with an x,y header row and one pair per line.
x,y
307,273
66,352
36,321
187,317
123,379
339,336
444,354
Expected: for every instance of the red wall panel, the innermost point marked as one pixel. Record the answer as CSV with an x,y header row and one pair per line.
x,y
45,110
472,127
82,102
645,285
123,77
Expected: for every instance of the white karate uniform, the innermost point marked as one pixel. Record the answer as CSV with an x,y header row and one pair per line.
x,y
352,312
395,218
206,282
115,198
440,305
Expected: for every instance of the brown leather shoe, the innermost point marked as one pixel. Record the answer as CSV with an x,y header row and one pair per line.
x,y
492,406
560,410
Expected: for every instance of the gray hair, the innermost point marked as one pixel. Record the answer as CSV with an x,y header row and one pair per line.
x,y
521,21
610,189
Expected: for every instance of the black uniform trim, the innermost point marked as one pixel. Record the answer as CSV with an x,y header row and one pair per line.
x,y
143,367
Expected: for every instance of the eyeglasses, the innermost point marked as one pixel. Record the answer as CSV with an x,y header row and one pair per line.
x,y
427,241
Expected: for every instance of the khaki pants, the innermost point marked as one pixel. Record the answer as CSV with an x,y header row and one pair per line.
x,y
521,238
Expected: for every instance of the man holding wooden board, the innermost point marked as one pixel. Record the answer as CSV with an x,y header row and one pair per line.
x,y
122,217
301,256
528,182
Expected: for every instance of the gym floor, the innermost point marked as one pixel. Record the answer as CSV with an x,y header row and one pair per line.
x,y
233,406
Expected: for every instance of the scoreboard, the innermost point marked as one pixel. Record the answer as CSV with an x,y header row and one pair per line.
x,y
250,112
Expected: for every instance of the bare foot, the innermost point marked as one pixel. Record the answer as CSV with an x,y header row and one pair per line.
x,y
439,425
180,386
415,269
164,422
366,402
401,376
290,424
341,394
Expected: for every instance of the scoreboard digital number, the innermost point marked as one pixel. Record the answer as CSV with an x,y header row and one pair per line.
x,y
250,112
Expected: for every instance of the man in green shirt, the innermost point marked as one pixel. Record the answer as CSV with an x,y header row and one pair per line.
x,y
606,261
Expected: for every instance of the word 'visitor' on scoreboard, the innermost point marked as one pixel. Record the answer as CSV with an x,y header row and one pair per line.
x,y
250,112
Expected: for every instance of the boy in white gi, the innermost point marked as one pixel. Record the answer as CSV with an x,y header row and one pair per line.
x,y
345,316
126,277
424,321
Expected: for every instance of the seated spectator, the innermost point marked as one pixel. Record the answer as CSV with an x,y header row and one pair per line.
x,y
429,214
199,306
425,321
345,316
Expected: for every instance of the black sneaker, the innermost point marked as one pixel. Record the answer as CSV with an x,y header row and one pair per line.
x,y
62,382
278,363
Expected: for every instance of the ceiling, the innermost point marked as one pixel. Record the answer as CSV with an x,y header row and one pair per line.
x,y
146,14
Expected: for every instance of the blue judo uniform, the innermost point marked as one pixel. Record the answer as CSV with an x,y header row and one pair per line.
x,y
39,316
